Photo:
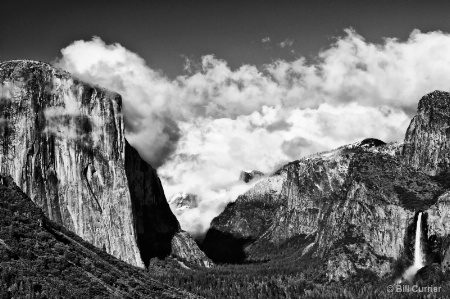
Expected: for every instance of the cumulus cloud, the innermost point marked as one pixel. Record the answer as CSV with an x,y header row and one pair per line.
x,y
266,40
294,148
204,127
151,108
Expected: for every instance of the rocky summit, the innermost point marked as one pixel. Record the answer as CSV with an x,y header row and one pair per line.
x,y
354,208
250,175
427,140
62,141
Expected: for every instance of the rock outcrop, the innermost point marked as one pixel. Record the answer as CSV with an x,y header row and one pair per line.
x,y
427,148
63,143
427,140
184,246
373,217
41,259
244,220
248,176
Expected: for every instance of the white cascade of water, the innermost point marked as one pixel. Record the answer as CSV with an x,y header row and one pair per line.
x,y
418,254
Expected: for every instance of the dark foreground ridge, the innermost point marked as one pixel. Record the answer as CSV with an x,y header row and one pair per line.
x,y
41,259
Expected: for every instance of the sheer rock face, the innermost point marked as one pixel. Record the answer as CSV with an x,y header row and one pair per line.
x,y
438,228
439,216
155,225
368,222
244,220
427,140
306,194
158,231
63,143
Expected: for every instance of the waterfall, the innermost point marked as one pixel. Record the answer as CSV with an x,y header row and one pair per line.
x,y
418,254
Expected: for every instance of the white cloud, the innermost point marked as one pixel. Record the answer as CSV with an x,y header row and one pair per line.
x,y
203,128
286,43
12,90
151,109
266,40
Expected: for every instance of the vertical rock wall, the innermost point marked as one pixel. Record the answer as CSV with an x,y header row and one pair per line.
x,y
63,143
427,140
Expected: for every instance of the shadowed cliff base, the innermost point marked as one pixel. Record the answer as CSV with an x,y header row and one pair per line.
x,y
154,222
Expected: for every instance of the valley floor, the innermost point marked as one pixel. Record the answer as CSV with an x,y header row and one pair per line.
x,y
303,279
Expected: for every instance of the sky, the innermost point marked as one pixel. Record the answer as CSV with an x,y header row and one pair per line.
x,y
214,88
164,32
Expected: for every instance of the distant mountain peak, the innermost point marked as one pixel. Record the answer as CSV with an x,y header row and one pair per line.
x,y
183,201
371,142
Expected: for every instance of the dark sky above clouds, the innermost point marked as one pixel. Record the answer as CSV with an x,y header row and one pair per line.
x,y
163,32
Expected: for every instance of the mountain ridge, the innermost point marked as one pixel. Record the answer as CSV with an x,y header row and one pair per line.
x,y
353,207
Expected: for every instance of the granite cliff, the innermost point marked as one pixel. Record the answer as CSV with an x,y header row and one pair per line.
x,y
427,140
353,208
244,220
63,143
